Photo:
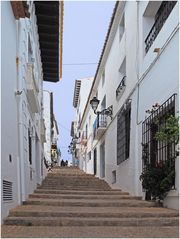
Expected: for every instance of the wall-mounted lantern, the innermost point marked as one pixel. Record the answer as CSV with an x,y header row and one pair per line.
x,y
94,104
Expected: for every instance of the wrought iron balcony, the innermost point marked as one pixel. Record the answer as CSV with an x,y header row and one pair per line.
x,y
161,16
99,126
121,87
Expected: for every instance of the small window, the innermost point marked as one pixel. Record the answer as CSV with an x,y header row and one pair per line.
x,y
30,51
10,158
103,104
90,120
122,80
31,174
86,132
103,77
30,145
89,155
121,28
114,176
97,94
122,68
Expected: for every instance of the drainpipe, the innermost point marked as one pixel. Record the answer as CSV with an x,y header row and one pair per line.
x,y
137,66
18,94
137,169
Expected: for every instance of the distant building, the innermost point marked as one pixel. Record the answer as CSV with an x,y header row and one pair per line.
x,y
81,92
50,146
30,54
138,67
54,147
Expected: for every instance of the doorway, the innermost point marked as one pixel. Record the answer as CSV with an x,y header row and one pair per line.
x,y
95,161
102,160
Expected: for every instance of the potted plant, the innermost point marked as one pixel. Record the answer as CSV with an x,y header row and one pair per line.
x,y
158,178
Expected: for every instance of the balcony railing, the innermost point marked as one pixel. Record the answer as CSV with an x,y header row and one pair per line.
x,y
99,125
121,87
162,15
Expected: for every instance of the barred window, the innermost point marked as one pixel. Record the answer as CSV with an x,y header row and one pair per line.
x,y
156,152
123,134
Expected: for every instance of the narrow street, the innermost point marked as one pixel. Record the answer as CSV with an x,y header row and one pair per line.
x,y
71,203
90,119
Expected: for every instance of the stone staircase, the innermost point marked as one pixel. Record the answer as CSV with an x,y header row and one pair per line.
x,y
70,203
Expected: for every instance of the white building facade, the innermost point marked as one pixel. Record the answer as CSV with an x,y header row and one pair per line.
x,y
81,92
137,69
23,130
47,122
52,132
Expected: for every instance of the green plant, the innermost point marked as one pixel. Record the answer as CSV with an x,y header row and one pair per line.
x,y
169,131
158,178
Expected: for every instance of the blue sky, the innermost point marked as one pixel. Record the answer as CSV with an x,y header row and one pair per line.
x,y
85,28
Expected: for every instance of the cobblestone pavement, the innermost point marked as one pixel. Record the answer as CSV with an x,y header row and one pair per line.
x,y
88,232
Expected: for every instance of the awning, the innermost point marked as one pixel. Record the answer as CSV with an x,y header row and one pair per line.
x,y
50,27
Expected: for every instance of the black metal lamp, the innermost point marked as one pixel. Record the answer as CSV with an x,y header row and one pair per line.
x,y
75,140
94,104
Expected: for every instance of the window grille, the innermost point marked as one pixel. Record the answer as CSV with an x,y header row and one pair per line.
x,y
123,134
157,152
160,18
7,191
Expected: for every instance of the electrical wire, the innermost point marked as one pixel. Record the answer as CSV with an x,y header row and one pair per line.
x,y
63,127
78,64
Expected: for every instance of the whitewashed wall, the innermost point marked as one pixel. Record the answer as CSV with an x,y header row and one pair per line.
x,y
47,122
9,129
161,80
17,116
150,78
30,173
86,84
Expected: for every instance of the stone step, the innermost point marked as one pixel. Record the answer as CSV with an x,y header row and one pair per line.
x,y
8,231
69,198
75,196
86,212
76,221
73,184
71,175
89,203
66,187
81,192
